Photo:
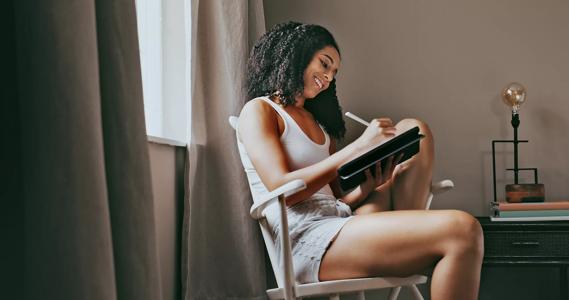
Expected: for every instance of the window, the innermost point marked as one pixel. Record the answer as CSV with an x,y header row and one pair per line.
x,y
164,39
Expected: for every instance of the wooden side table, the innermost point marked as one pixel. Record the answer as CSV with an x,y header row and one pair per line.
x,y
518,244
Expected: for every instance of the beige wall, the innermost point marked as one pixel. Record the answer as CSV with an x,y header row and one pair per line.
x,y
167,168
446,62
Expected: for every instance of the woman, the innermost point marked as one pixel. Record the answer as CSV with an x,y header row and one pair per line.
x,y
288,131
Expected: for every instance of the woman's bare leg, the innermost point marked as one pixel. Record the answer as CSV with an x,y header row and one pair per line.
x,y
412,178
375,202
402,243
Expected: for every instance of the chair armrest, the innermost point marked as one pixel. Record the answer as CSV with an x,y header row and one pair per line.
x,y
442,186
286,189
438,188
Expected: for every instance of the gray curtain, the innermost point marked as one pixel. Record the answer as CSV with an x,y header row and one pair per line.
x,y
83,157
222,253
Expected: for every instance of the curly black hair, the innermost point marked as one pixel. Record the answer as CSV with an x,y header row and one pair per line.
x,y
277,64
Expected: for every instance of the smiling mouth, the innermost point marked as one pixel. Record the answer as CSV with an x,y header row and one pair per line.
x,y
318,82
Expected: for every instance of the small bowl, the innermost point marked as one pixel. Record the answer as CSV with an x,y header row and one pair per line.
x,y
525,192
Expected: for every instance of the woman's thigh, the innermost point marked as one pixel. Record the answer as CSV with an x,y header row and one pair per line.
x,y
394,243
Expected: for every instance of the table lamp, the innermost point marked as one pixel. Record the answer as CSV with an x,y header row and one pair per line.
x,y
514,95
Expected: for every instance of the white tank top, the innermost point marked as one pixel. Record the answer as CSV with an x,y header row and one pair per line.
x,y
301,152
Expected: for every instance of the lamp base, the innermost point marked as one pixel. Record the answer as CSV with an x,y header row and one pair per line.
x,y
525,192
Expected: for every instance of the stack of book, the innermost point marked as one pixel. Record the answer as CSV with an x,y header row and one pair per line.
x,y
531,211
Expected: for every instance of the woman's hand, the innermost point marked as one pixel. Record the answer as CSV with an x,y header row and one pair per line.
x,y
382,175
380,182
378,130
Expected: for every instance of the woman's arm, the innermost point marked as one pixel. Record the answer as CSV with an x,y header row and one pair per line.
x,y
258,131
352,198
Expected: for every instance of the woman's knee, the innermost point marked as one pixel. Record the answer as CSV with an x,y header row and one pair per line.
x,y
465,232
426,154
412,122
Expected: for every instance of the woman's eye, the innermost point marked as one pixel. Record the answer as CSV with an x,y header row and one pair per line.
x,y
324,64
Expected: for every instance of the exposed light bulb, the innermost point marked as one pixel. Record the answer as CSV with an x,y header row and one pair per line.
x,y
514,95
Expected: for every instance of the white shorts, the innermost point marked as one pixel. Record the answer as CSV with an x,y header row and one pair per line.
x,y
313,225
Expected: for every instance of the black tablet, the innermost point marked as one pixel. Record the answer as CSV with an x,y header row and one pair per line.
x,y
407,143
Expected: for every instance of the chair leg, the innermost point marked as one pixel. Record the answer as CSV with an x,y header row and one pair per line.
x,y
416,293
394,293
335,297
361,295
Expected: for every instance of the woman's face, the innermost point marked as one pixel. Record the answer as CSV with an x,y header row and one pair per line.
x,y
320,71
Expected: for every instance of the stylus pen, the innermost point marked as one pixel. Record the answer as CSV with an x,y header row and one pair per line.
x,y
356,118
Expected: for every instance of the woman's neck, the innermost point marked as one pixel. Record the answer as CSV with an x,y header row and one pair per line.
x,y
299,101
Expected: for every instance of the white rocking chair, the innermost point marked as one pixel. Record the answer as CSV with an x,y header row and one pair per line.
x,y
288,288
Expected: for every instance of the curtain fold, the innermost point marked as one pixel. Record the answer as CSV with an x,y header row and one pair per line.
x,y
223,255
127,163
89,223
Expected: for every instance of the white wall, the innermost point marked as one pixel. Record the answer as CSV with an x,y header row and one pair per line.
x,y
167,170
446,62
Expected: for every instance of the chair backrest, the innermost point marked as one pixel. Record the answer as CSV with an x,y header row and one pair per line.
x,y
265,229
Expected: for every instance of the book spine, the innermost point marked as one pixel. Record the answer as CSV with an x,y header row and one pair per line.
x,y
529,219
532,206
534,213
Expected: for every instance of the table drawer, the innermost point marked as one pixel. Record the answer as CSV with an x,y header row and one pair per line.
x,y
509,244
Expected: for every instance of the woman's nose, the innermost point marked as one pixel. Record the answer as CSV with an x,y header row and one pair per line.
x,y
328,77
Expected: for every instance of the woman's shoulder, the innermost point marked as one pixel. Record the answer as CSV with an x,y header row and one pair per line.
x,y
262,101
258,110
257,107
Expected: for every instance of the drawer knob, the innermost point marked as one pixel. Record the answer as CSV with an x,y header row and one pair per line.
x,y
525,244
